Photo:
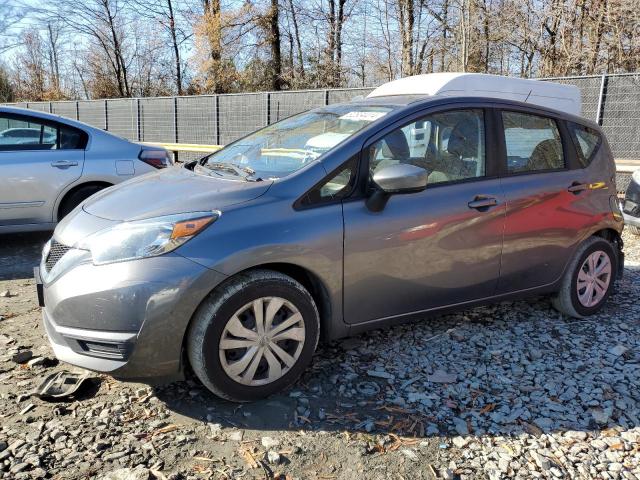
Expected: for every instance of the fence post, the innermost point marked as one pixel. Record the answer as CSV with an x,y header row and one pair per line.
x,y
326,97
50,107
175,127
139,123
175,118
601,98
216,107
106,115
268,112
77,110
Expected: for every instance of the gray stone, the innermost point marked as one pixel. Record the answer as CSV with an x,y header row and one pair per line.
x,y
381,374
273,457
541,461
269,442
18,467
459,442
114,456
618,350
461,426
22,357
410,454
440,376
138,473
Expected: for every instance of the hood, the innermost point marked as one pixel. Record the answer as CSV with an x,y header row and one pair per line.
x,y
168,191
327,140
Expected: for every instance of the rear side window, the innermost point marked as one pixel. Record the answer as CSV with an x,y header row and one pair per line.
x,y
27,133
587,141
533,143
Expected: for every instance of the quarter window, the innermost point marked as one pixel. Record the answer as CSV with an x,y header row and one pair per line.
x,y
336,186
587,140
449,145
533,143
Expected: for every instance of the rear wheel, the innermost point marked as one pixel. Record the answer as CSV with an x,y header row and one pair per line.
x,y
589,279
76,198
254,336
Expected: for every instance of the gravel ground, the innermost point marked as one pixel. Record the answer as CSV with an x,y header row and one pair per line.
x,y
513,390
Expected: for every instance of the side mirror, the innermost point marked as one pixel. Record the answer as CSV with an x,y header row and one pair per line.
x,y
395,179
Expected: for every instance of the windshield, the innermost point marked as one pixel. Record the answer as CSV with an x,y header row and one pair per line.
x,y
286,146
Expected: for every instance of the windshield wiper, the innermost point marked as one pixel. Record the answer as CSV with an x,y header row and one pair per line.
x,y
236,170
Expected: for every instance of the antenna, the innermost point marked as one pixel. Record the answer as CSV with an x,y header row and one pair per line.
x,y
528,95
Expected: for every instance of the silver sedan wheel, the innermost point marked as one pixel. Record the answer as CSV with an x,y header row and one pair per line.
x,y
262,341
593,278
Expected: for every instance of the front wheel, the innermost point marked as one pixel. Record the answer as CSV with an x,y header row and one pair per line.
x,y
589,279
253,336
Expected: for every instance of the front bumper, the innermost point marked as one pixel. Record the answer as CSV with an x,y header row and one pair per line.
x,y
127,319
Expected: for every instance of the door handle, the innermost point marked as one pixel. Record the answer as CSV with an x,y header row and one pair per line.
x,y
577,187
63,163
482,202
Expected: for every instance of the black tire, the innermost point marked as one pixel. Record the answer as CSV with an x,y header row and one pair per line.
x,y
209,321
566,300
633,229
76,198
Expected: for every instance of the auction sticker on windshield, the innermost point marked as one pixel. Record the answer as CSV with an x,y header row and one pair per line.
x,y
363,116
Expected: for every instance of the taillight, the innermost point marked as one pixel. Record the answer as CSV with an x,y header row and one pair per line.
x,y
156,158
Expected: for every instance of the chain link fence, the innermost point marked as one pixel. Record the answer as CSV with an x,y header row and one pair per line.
x,y
613,101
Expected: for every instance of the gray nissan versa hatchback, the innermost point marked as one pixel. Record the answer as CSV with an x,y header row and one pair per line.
x,y
328,223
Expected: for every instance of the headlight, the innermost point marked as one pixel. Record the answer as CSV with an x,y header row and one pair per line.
x,y
145,238
636,176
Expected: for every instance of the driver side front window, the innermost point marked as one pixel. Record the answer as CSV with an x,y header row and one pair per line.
x,y
449,145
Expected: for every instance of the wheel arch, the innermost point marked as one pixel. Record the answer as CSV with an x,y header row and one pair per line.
x,y
74,189
615,239
314,285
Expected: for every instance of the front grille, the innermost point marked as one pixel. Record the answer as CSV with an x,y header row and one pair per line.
x,y
56,252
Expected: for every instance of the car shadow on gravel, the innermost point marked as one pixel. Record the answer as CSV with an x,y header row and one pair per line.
x,y
19,253
506,369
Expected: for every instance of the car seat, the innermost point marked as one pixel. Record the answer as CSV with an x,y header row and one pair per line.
x,y
546,156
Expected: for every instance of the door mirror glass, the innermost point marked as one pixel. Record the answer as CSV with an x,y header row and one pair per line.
x,y
401,178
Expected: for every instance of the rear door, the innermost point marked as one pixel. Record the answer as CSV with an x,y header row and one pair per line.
x,y
546,199
38,159
433,248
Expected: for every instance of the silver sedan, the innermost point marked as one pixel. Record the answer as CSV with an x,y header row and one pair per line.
x,y
50,164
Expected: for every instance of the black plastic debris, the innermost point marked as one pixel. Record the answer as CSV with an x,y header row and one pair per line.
x,y
62,385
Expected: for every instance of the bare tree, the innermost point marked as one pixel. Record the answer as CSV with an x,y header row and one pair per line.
x,y
166,14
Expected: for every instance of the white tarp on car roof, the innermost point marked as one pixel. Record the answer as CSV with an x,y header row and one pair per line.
x,y
547,94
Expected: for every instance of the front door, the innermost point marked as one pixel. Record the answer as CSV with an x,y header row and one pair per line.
x,y
33,169
438,247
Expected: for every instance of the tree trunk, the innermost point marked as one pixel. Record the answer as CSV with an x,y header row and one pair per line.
x,y
406,16
55,64
338,44
274,40
213,18
176,47
296,31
